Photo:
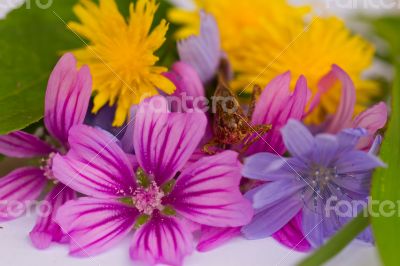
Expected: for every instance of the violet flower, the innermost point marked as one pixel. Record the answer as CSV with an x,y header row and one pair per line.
x,y
322,168
203,52
67,98
153,191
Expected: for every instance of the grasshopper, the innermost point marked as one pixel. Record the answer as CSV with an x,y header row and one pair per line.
x,y
231,126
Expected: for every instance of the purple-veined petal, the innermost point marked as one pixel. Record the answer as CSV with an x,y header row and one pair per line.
x,y
19,144
213,237
291,235
269,167
165,141
95,225
207,192
358,183
203,52
297,138
189,93
325,150
276,106
313,226
95,165
344,113
67,97
272,193
354,162
165,240
269,220
46,230
18,189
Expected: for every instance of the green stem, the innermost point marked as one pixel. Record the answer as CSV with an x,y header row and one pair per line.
x,y
338,242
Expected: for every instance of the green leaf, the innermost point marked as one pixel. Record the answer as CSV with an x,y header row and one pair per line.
x,y
338,242
386,185
32,39
388,29
31,42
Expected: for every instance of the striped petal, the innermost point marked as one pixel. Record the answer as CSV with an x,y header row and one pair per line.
x,y
372,120
165,240
46,230
291,235
67,97
20,144
190,92
276,105
95,225
95,165
17,189
207,192
345,110
165,141
203,52
213,237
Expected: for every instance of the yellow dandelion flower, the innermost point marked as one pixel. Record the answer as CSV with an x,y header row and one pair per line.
x,y
120,53
264,39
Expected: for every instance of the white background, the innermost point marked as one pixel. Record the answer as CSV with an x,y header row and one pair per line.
x,y
16,249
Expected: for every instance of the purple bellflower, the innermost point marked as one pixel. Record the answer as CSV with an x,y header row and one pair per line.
x,y
67,98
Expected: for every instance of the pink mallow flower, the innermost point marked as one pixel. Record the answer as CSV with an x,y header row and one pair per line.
x,y
153,192
67,98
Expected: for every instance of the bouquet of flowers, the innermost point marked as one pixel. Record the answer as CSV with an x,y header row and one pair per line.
x,y
183,125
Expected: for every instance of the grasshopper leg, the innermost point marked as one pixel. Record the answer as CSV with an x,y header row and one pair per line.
x,y
261,130
254,96
212,143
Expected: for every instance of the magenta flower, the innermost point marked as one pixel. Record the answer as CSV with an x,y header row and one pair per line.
x,y
67,97
371,119
153,192
323,170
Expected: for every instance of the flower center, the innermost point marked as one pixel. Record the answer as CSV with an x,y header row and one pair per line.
x,y
321,177
320,188
147,199
47,166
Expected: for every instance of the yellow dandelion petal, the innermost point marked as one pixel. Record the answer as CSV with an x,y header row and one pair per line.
x,y
162,83
120,52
